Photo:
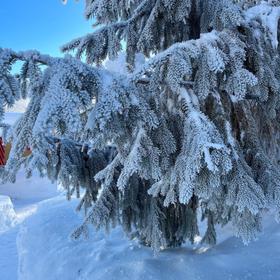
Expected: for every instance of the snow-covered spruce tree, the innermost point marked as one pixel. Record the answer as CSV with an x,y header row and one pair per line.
x,y
192,131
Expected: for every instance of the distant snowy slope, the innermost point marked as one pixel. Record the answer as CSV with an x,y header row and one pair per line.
x,y
11,117
47,253
29,189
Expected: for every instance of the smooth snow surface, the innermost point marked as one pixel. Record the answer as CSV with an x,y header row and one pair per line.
x,y
11,118
47,252
33,189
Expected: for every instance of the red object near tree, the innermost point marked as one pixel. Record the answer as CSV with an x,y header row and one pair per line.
x,y
2,153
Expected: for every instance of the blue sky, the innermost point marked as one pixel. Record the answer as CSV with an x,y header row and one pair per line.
x,y
44,25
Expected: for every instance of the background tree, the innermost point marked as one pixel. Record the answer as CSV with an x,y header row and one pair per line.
x,y
189,131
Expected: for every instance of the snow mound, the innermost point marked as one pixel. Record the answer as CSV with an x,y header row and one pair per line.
x,y
34,189
8,216
20,201
46,252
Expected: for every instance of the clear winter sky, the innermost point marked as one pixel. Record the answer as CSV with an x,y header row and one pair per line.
x,y
44,25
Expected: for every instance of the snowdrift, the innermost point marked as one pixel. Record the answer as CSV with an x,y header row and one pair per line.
x,y
46,252
29,189
17,202
7,214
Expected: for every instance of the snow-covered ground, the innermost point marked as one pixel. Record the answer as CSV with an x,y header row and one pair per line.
x,y
45,251
35,226
18,202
